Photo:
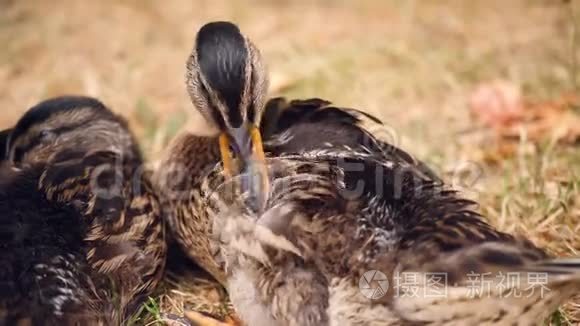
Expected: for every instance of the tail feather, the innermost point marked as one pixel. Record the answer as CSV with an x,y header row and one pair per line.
x,y
561,265
484,291
461,306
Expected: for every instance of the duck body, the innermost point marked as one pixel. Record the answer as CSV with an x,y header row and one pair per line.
x,y
82,229
339,202
290,129
187,175
321,234
47,279
353,204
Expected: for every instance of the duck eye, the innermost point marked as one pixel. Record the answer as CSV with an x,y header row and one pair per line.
x,y
46,136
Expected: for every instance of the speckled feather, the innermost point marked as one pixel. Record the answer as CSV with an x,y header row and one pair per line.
x,y
107,250
343,200
423,228
316,123
193,220
184,175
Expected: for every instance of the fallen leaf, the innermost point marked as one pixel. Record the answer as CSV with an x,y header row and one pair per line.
x,y
500,106
497,104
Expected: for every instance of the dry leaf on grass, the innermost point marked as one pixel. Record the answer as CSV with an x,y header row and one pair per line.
x,y
497,104
501,108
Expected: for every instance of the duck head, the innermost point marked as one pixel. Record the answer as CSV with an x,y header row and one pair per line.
x,y
227,83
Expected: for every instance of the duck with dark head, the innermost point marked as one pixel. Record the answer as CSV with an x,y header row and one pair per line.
x,y
81,227
296,248
227,82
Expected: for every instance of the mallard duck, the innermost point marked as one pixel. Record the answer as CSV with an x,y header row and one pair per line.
x,y
224,74
81,227
293,236
227,82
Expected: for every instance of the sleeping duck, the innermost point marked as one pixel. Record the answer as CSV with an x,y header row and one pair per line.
x,y
81,231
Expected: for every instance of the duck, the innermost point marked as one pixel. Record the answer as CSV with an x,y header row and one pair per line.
x,y
83,238
306,217
227,83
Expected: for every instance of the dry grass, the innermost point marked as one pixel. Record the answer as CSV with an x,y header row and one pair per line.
x,y
412,63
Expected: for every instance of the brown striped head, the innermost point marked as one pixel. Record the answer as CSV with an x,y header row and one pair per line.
x,y
67,124
226,78
227,82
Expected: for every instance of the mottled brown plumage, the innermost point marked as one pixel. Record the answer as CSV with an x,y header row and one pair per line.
x,y
190,157
226,83
184,175
316,123
82,227
306,253
179,178
342,202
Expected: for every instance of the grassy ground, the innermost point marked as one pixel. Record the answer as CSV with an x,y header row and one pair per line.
x,y
412,63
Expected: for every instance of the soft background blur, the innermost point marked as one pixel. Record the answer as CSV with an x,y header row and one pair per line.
x,y
486,91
